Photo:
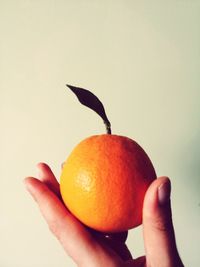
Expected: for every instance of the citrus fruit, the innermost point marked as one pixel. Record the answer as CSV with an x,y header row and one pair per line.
x,y
104,180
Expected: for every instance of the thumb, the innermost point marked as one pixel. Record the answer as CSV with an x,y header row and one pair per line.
x,y
158,229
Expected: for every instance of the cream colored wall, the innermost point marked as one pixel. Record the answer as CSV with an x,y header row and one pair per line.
x,y
141,58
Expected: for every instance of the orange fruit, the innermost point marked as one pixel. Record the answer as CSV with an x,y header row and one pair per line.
x,y
104,180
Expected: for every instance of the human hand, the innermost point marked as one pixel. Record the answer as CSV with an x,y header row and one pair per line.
x,y
93,249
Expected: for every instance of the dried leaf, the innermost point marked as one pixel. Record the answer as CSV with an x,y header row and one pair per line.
x,y
91,101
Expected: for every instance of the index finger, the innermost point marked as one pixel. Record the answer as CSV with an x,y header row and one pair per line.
x,y
69,231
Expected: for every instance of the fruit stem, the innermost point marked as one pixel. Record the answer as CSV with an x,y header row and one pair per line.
x,y
108,127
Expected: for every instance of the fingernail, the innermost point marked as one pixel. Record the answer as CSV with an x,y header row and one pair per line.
x,y
164,191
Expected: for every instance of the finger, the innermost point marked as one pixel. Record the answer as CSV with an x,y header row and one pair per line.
x,y
120,248
139,262
158,229
74,237
69,231
46,175
118,237
116,245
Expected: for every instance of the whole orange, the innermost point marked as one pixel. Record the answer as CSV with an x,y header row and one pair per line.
x,y
104,180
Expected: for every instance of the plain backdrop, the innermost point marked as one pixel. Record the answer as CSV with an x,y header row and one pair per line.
x,y
142,59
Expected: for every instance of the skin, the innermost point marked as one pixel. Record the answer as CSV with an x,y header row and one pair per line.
x,y
89,248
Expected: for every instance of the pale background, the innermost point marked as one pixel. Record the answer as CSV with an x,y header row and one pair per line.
x,y
142,59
